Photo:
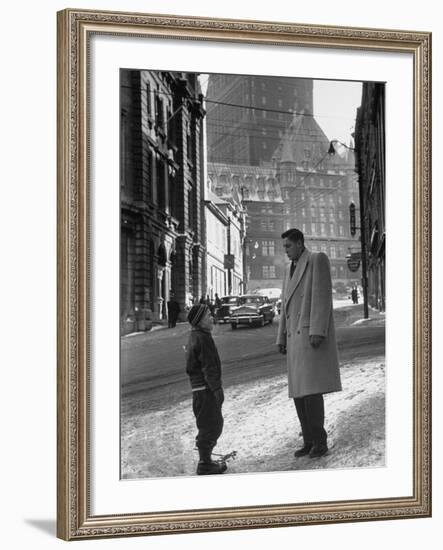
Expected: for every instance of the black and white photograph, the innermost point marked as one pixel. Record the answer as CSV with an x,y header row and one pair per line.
x,y
252,274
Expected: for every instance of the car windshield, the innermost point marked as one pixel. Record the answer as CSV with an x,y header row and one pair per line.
x,y
252,300
230,300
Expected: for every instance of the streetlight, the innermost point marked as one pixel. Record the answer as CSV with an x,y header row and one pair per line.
x,y
364,272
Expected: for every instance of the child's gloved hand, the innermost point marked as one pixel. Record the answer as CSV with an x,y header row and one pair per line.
x,y
219,396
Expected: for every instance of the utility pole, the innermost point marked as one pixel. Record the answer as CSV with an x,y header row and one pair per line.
x,y
229,256
364,266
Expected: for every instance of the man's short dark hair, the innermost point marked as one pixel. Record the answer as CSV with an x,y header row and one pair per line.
x,y
294,235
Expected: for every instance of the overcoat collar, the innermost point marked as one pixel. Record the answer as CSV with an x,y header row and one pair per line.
x,y
294,281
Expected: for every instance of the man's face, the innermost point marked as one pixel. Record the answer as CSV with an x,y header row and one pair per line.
x,y
293,249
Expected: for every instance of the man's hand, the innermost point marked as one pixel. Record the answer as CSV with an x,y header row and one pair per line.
x,y
315,340
219,396
282,349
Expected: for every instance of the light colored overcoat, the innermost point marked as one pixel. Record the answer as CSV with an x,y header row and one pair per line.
x,y
306,310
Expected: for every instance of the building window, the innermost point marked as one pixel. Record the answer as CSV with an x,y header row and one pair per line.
x,y
333,271
303,212
268,248
333,252
148,100
268,271
190,210
267,225
323,228
324,248
313,212
341,231
189,143
159,118
340,215
322,213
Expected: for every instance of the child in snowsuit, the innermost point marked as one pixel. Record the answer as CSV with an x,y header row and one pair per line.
x,y
204,369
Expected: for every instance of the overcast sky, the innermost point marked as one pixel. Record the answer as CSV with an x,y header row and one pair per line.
x,y
335,105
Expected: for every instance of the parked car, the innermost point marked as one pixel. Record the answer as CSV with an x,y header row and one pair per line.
x,y
253,309
223,313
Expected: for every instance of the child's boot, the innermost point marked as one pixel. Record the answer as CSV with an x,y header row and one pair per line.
x,y
207,466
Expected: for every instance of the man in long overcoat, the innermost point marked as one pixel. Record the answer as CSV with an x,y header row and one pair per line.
x,y
306,334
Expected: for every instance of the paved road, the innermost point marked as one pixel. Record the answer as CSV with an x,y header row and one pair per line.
x,y
152,370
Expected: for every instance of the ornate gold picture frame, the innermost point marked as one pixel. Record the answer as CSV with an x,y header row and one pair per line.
x,y
77,518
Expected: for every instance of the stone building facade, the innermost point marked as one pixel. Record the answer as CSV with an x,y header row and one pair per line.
x,y
248,115
161,184
255,192
272,158
317,188
370,147
216,247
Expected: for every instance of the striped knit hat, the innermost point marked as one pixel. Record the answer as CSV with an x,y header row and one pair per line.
x,y
196,313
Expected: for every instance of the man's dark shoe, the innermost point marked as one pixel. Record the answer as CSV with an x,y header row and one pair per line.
x,y
210,467
318,450
303,451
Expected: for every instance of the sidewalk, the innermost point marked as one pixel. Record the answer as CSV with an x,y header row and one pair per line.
x,y
345,314
157,325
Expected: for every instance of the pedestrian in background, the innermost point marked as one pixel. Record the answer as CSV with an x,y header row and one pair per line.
x,y
306,334
354,295
173,310
203,367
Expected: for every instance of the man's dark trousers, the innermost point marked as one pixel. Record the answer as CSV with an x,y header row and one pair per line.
x,y
311,413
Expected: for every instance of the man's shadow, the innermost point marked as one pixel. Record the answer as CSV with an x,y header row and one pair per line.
x,y
48,526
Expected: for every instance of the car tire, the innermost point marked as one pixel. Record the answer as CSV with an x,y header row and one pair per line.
x,y
262,322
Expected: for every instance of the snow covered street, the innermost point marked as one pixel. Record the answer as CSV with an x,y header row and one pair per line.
x,y
261,425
